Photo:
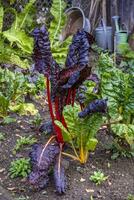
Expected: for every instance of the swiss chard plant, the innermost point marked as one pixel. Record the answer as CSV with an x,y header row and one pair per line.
x,y
16,44
61,92
118,87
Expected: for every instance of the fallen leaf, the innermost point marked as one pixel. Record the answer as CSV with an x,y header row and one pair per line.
x,y
11,188
109,183
2,170
82,180
89,190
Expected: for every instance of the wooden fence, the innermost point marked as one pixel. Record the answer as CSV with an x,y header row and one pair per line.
x,y
109,8
122,8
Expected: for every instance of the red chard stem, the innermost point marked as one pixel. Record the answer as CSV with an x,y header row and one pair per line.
x,y
73,96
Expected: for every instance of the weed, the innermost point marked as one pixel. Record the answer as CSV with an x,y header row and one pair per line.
x,y
36,121
130,197
2,136
23,141
98,177
20,168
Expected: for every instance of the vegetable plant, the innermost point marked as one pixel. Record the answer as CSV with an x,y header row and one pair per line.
x,y
36,121
118,86
15,42
14,86
61,91
20,168
98,177
22,142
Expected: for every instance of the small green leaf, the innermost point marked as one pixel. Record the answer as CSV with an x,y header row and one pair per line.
x,y
91,144
8,120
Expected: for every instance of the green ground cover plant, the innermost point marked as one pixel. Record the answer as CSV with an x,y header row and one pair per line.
x,y
98,177
20,143
20,168
14,87
2,136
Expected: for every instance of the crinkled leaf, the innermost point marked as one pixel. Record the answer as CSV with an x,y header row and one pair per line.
x,y
16,60
42,157
42,56
124,131
24,109
79,50
72,80
20,38
96,106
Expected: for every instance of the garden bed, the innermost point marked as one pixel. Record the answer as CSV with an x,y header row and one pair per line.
x,y
120,172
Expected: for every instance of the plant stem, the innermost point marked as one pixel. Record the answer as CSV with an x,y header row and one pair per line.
x,y
73,147
73,96
113,122
82,156
49,100
71,156
56,128
59,22
51,138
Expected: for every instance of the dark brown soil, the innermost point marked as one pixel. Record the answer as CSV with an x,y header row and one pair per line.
x,y
120,172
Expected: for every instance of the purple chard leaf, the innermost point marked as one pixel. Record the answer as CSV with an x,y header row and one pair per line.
x,y
42,157
96,106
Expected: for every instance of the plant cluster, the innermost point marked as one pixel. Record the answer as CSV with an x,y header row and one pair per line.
x,y
117,85
14,86
36,121
23,141
16,46
20,168
98,177
2,136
